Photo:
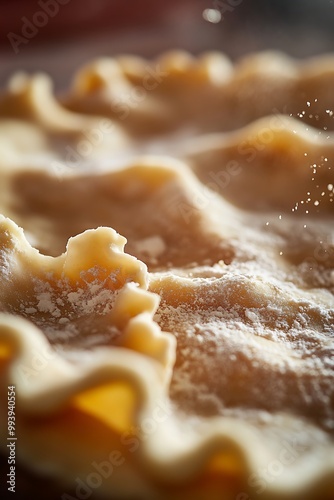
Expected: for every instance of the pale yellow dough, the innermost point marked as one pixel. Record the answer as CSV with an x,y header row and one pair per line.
x,y
200,359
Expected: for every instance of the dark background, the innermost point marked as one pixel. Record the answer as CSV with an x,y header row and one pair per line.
x,y
84,29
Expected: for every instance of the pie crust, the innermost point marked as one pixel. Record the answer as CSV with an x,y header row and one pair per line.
x,y
198,362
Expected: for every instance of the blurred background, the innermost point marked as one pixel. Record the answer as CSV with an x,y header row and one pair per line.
x,y
59,35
